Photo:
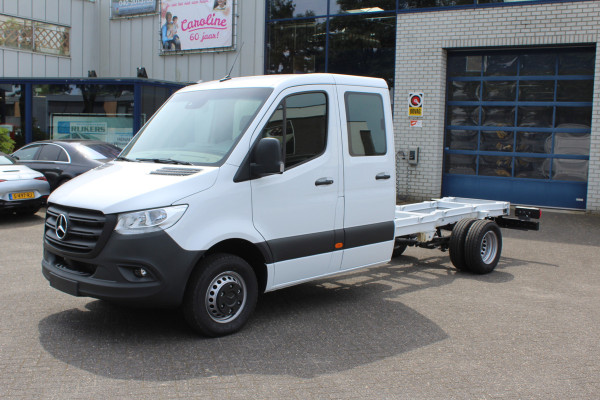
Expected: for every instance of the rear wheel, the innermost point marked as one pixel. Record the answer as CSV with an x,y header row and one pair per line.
x,y
483,246
221,295
457,243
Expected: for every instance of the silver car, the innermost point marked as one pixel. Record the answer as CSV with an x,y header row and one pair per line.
x,y
21,189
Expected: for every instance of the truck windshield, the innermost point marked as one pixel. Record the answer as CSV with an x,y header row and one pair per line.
x,y
199,127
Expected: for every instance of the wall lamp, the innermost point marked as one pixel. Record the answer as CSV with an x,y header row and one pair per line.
x,y
141,72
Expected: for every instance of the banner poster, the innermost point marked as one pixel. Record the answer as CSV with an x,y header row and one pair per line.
x,y
196,24
115,129
125,8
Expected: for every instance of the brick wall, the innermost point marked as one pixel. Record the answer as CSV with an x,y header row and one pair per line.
x,y
422,42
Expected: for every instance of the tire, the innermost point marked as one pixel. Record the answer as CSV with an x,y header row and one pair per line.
x,y
221,295
398,249
457,243
483,246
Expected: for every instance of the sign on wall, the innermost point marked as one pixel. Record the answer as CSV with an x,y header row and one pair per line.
x,y
415,104
196,25
126,8
115,129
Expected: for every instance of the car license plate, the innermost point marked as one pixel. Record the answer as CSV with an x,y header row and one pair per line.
x,y
22,196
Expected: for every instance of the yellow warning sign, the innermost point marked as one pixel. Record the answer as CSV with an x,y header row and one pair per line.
x,y
415,111
415,104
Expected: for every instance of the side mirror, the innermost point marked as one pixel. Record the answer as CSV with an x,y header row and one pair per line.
x,y
267,158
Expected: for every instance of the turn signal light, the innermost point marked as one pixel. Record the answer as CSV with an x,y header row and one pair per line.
x,y
41,178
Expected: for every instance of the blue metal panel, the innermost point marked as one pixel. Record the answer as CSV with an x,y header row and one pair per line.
x,y
28,112
536,192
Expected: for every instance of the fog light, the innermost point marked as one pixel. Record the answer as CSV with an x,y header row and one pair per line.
x,y
140,272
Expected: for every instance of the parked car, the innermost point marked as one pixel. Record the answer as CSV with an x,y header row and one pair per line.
x,y
62,160
21,189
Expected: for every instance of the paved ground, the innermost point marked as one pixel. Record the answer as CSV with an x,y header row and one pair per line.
x,y
413,329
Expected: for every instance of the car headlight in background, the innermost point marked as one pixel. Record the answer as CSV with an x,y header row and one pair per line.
x,y
152,220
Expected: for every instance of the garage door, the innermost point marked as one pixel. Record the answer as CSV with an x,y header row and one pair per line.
x,y
518,125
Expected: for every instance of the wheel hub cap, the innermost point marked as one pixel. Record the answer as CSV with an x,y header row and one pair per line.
x,y
226,297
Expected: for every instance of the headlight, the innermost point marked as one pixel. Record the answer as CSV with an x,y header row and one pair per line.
x,y
146,221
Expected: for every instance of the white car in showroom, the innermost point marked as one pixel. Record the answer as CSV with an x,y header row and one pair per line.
x,y
22,189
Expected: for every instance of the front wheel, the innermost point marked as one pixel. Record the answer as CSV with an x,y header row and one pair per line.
x,y
221,295
483,246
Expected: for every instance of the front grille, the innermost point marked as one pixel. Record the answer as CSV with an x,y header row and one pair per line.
x,y
86,230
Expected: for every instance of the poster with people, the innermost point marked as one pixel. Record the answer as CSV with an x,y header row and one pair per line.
x,y
196,24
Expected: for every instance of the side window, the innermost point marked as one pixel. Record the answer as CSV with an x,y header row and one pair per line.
x,y
63,156
304,134
49,152
27,154
366,124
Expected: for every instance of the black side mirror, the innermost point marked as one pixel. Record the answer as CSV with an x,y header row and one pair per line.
x,y
267,158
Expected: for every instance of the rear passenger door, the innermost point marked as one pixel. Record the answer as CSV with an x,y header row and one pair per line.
x,y
52,161
369,175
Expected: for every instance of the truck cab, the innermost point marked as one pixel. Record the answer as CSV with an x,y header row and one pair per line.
x,y
234,187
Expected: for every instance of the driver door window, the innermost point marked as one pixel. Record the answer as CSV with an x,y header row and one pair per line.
x,y
300,121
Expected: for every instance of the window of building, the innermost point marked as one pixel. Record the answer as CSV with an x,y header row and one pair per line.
x,y
26,34
300,123
83,111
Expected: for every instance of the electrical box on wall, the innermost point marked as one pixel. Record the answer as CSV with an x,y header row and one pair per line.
x,y
413,155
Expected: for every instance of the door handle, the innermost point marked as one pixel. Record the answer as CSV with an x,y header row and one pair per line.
x,y
382,175
323,181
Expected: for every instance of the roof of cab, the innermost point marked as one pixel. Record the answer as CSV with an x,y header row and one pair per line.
x,y
283,81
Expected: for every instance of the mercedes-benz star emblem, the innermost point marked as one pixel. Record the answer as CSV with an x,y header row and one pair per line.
x,y
61,226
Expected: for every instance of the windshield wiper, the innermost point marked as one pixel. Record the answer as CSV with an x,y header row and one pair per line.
x,y
125,159
165,161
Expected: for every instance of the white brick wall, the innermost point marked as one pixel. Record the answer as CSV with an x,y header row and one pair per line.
x,y
421,66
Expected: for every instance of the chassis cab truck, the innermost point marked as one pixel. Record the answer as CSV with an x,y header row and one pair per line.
x,y
247,185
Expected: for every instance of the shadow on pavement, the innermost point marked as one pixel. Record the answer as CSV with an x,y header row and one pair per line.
x,y
12,220
304,331
308,330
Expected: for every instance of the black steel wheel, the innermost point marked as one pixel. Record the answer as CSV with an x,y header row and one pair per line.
x,y
457,243
483,246
221,295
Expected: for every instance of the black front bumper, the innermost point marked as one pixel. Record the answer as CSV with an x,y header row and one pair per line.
x,y
110,274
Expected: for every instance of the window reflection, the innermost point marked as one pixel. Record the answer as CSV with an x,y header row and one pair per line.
x,y
296,47
12,113
363,45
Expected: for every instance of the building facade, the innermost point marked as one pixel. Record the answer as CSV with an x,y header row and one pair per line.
x,y
507,91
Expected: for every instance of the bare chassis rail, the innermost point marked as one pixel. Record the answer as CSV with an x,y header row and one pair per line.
x,y
420,224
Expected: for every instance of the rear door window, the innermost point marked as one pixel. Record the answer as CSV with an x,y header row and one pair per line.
x,y
49,152
366,124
